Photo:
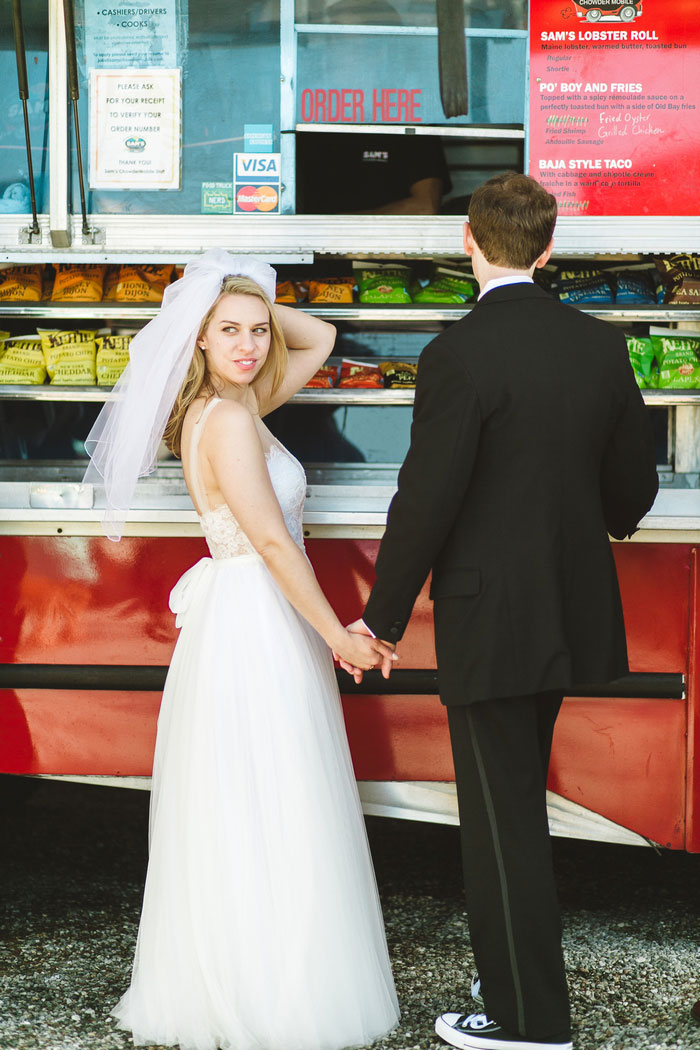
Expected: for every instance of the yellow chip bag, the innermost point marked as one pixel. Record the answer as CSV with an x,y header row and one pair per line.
x,y
23,361
78,282
142,284
112,357
69,356
20,284
3,337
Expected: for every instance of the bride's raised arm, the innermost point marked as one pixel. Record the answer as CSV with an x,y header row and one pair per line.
x,y
309,341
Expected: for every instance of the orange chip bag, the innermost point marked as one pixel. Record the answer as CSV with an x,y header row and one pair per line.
x,y
20,283
331,290
142,284
325,377
110,282
78,282
359,374
47,282
285,292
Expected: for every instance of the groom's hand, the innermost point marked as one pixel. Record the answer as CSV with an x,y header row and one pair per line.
x,y
360,627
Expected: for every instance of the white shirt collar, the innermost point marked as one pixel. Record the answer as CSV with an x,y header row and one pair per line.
x,y
500,282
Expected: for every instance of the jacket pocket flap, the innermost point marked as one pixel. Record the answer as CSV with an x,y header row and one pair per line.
x,y
456,583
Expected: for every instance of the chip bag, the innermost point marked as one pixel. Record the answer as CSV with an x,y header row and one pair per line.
x,y
325,377
678,354
382,282
20,284
446,286
398,374
23,361
285,292
69,356
639,283
584,286
78,282
112,357
47,279
681,277
141,284
110,282
331,290
359,374
641,353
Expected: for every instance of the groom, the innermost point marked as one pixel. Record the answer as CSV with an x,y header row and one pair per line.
x,y
530,443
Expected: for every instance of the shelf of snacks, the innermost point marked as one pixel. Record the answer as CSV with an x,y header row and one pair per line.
x,y
665,288
82,364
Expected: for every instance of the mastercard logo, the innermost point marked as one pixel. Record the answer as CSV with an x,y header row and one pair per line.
x,y
257,198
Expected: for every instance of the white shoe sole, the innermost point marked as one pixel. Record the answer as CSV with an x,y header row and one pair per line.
x,y
468,1041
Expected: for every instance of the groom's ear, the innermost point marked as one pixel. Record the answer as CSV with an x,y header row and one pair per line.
x,y
544,257
469,242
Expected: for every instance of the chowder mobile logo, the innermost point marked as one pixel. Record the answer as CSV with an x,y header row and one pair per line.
x,y
610,10
135,144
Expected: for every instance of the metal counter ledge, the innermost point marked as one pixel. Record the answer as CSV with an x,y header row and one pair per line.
x,y
343,500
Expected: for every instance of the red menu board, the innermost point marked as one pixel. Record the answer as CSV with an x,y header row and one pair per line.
x,y
615,105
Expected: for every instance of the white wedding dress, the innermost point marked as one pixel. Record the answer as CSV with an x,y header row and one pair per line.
x,y
261,926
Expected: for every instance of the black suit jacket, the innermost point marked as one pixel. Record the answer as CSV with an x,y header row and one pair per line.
x,y
530,443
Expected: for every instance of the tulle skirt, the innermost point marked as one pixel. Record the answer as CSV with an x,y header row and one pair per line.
x,y
261,927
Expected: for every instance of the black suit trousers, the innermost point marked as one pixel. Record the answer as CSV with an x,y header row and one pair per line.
x,y
501,754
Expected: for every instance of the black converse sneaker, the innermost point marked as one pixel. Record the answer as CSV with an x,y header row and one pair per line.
x,y
478,1032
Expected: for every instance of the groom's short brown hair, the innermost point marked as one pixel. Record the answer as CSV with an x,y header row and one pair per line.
x,y
512,220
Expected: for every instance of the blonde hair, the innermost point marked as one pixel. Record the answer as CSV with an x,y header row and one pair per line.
x,y
199,380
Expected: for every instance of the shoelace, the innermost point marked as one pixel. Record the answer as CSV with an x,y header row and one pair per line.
x,y
476,1021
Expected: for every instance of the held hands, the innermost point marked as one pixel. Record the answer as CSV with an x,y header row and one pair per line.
x,y
361,652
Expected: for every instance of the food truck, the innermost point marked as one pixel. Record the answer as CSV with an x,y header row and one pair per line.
x,y
622,10
134,137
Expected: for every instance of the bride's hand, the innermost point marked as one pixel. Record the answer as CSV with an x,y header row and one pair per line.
x,y
360,652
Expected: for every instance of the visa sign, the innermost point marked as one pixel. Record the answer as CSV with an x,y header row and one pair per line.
x,y
263,167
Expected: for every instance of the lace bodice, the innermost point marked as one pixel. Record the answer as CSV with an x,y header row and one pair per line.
x,y
225,537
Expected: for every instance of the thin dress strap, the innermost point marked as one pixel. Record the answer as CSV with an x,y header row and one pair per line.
x,y
197,430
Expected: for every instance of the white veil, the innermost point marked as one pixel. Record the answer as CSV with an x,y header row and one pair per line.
x,y
123,443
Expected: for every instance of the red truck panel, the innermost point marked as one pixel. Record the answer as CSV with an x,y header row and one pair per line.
x,y
80,600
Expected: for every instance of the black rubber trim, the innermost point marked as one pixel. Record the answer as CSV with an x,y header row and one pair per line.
x,y
138,678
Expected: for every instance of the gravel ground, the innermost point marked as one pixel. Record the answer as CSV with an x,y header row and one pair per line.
x,y
75,859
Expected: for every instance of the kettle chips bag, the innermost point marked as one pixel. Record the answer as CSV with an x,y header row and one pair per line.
x,y
678,355
69,356
22,361
112,357
20,284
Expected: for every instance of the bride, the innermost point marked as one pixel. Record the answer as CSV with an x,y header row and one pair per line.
x,y
261,926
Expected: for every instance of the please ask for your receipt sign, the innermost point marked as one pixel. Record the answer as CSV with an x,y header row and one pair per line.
x,y
615,105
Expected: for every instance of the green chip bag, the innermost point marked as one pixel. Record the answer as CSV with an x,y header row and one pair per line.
x,y
112,357
23,361
641,354
446,286
382,282
678,354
